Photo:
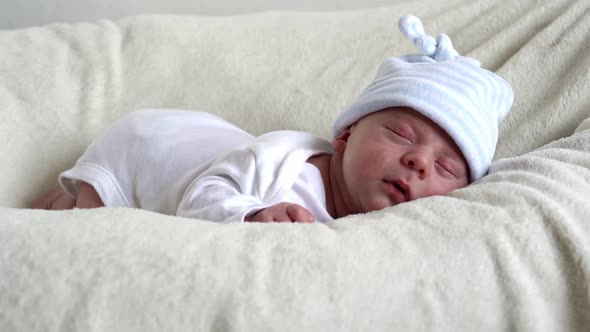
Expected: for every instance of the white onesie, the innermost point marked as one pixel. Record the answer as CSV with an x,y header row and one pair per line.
x,y
197,165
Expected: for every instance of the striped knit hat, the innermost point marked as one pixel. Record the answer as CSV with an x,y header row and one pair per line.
x,y
465,100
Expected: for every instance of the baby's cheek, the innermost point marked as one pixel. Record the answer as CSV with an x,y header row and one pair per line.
x,y
434,189
378,203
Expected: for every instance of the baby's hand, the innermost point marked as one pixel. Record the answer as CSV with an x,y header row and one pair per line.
x,y
282,212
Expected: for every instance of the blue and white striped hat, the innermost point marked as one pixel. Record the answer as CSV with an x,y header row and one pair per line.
x,y
465,100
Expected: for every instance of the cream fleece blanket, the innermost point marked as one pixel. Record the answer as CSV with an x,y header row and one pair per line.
x,y
508,253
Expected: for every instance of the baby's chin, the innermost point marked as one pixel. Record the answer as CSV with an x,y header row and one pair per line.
x,y
377,203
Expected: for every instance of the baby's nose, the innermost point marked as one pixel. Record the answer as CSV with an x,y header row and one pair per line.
x,y
419,162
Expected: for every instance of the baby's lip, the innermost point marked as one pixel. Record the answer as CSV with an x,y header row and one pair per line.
x,y
403,187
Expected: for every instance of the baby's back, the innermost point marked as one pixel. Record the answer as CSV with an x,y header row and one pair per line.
x,y
149,157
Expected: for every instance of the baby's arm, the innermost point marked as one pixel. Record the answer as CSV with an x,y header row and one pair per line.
x,y
282,212
88,197
236,188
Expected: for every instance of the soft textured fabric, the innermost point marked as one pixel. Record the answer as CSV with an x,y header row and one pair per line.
x,y
465,100
508,253
180,162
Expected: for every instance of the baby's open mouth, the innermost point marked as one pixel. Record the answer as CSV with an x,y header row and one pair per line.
x,y
402,188
399,187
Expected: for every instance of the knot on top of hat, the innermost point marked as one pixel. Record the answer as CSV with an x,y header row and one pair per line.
x,y
439,49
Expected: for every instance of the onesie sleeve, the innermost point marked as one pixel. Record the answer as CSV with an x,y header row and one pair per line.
x,y
229,190
250,178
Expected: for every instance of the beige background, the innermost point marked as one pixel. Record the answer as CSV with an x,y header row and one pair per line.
x,y
24,13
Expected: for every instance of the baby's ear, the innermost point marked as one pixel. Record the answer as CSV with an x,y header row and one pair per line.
x,y
339,142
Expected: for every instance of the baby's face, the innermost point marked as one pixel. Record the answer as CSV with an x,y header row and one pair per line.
x,y
398,155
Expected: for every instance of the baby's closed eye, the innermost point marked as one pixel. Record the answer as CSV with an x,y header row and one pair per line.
x,y
447,168
402,133
451,166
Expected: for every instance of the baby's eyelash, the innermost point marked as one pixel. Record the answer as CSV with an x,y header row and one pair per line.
x,y
403,133
449,168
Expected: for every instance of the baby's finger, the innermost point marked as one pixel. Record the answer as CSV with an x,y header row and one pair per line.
x,y
263,216
282,216
298,213
275,213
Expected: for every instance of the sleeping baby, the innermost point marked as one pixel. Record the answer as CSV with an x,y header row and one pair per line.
x,y
426,125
